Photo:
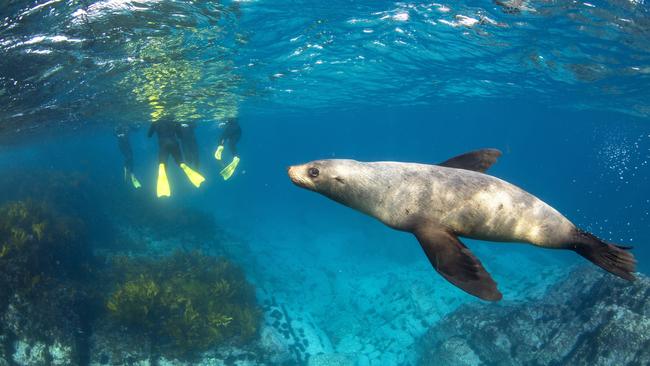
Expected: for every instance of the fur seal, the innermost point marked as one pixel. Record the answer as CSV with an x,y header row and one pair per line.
x,y
439,203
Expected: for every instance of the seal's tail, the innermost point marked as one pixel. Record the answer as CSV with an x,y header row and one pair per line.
x,y
613,258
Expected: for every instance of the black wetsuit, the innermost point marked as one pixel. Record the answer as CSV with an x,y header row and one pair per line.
x,y
231,133
122,134
168,133
189,144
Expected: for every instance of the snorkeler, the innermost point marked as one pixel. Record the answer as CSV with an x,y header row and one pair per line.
x,y
231,134
189,144
122,134
168,133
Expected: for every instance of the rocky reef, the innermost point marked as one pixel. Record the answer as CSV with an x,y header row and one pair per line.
x,y
45,272
591,318
64,302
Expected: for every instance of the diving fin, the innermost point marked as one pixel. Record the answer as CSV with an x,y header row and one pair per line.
x,y
456,263
192,175
162,188
135,181
479,160
227,172
217,154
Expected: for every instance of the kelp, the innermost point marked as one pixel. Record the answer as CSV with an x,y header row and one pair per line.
x,y
185,303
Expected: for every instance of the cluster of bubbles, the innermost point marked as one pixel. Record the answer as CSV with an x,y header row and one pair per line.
x,y
624,156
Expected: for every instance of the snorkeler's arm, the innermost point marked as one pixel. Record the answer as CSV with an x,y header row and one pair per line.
x,y
152,129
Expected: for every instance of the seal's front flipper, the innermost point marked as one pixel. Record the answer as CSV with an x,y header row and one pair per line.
x,y
455,262
479,160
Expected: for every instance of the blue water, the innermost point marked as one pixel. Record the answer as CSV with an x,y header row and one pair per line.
x,y
561,90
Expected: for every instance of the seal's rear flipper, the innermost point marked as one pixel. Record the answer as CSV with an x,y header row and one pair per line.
x,y
613,258
479,160
455,262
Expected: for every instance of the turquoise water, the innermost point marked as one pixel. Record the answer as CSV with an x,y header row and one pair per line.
x,y
560,87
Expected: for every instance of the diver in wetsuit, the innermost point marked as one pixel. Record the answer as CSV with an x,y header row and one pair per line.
x,y
231,134
168,133
189,144
122,135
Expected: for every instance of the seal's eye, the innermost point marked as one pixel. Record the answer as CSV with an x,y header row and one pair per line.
x,y
313,172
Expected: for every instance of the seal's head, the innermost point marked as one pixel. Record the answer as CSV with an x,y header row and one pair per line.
x,y
319,176
344,181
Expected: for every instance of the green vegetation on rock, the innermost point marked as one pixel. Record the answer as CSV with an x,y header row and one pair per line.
x,y
37,245
186,303
46,274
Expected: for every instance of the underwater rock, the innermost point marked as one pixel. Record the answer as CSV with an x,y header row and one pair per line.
x,y
38,353
30,354
111,344
290,335
4,351
61,354
275,345
592,318
333,359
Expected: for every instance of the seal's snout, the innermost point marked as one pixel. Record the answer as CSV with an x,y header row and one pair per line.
x,y
292,171
298,177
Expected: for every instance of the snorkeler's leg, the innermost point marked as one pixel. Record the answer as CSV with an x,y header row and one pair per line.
x,y
127,154
128,157
128,169
192,152
232,145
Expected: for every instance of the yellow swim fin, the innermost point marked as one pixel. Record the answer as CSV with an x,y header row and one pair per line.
x,y
192,175
162,188
227,172
217,154
135,181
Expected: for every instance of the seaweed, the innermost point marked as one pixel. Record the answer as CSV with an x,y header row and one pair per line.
x,y
118,218
186,303
72,194
38,244
46,274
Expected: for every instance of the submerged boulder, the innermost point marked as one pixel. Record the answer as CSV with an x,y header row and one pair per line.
x,y
592,318
291,336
